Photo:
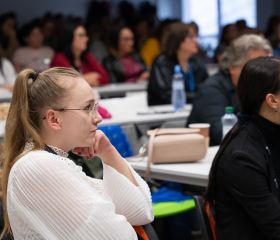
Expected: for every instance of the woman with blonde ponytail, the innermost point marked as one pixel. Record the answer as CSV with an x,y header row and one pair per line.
x,y
46,196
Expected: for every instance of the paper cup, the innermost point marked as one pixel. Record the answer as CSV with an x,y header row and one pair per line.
x,y
203,130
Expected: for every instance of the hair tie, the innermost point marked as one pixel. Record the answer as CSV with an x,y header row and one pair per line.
x,y
242,118
35,77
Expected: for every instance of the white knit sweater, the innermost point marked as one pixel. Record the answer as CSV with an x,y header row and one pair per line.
x,y
49,197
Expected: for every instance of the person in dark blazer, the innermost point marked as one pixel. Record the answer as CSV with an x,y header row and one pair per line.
x,y
123,64
219,90
179,46
243,187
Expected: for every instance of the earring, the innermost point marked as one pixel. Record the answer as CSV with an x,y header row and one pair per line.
x,y
275,110
58,128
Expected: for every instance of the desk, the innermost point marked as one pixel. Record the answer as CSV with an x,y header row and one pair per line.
x,y
120,89
189,173
126,111
5,95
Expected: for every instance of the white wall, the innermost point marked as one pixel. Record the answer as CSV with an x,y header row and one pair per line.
x,y
28,9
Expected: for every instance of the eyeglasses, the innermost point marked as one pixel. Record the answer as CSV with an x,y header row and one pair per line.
x,y
94,110
127,39
192,37
81,35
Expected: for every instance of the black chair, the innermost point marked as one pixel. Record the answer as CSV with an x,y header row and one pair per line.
x,y
149,230
203,219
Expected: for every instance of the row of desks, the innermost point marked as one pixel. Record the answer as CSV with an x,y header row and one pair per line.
x,y
133,109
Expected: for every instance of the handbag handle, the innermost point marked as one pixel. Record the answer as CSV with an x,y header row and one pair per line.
x,y
150,153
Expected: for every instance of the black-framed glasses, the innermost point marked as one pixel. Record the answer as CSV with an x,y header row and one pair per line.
x,y
94,110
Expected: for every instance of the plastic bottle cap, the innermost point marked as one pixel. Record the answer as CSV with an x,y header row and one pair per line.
x,y
229,109
177,68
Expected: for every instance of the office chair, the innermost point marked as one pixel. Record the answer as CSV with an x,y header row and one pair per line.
x,y
203,219
165,209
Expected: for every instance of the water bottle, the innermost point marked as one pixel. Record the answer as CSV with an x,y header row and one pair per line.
x,y
228,120
178,96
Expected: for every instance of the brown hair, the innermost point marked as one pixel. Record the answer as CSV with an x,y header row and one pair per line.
x,y
30,98
174,36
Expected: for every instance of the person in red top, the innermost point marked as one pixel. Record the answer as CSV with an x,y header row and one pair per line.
x,y
72,53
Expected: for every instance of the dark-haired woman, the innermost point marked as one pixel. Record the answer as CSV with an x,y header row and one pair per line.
x,y
243,188
179,46
8,35
123,64
73,54
33,54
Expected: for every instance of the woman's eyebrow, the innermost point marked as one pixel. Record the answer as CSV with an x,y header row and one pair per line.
x,y
90,101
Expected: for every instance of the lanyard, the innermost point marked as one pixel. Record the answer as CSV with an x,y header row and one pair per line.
x,y
189,78
270,159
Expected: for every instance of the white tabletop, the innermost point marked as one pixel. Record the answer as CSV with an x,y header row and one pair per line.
x,y
119,89
5,95
190,173
134,109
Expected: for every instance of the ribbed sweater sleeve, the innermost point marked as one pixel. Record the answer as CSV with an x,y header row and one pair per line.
x,y
53,199
133,202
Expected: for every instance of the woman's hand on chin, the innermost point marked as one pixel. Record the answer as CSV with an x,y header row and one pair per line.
x,y
101,147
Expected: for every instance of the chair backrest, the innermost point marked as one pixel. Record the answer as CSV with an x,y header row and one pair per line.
x,y
150,232
203,219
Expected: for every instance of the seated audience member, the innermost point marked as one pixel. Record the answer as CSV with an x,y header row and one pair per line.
x,y
47,27
151,47
179,46
47,196
96,45
229,33
73,54
8,35
219,90
243,192
123,64
7,74
142,31
33,55
275,42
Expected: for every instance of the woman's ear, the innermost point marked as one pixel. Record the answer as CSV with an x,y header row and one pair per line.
x,y
271,101
53,120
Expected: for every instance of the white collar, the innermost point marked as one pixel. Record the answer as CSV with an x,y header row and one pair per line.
x,y
30,145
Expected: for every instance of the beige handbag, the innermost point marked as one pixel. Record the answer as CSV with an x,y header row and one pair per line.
x,y
174,145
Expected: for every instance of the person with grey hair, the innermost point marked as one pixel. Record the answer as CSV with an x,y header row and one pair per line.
x,y
219,90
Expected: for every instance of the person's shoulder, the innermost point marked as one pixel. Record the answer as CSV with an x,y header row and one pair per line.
x,y
58,59
47,49
109,59
218,80
163,59
39,156
247,145
152,41
60,55
37,162
6,61
21,50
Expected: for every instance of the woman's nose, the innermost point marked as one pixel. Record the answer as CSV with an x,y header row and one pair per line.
x,y
97,119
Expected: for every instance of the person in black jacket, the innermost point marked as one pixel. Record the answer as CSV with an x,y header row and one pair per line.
x,y
243,188
123,64
218,91
179,46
